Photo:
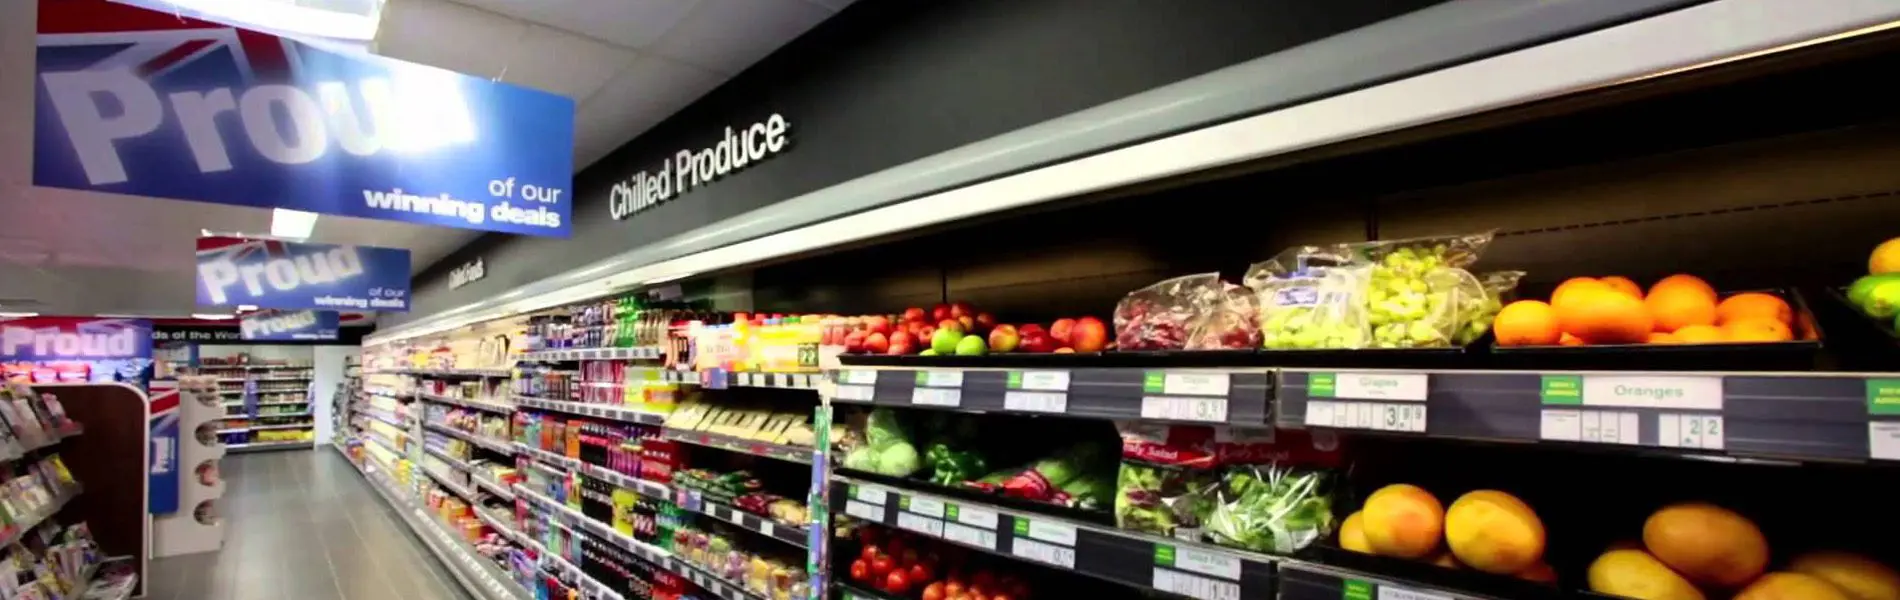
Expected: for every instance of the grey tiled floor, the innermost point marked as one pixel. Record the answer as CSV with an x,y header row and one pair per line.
x,y
304,525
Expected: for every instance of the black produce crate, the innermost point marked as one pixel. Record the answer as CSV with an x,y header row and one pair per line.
x,y
1859,341
1801,354
1104,517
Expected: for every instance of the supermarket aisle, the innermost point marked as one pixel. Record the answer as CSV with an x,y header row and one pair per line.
x,y
303,525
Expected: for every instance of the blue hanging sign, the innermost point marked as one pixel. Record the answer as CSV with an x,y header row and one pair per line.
x,y
149,103
289,275
289,325
42,339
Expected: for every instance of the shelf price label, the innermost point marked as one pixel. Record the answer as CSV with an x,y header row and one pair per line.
x,y
1043,553
985,539
931,396
1669,392
1185,383
920,505
1690,431
1040,381
972,516
1348,385
858,376
1047,531
1039,402
1174,408
920,524
1376,416
1591,426
860,393
1186,558
940,378
870,494
1194,586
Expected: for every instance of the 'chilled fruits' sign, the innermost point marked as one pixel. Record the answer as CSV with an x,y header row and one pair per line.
x,y
142,102
287,275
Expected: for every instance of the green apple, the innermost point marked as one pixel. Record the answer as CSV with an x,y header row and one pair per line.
x,y
928,352
1858,292
972,345
945,340
1883,301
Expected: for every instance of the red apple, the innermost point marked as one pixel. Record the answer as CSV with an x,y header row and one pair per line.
x,y
876,343
969,323
924,332
902,343
1028,329
1038,341
1089,335
1004,339
985,321
914,314
940,312
959,310
951,324
854,342
878,324
1061,329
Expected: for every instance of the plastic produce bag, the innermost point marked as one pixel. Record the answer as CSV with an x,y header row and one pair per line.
x,y
1167,478
884,446
1234,324
1162,316
1412,296
1276,491
1478,311
1308,299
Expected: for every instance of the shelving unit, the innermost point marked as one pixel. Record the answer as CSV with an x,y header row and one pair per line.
x,y
43,486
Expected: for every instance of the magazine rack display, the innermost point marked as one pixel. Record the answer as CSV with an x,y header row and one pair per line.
x,y
49,549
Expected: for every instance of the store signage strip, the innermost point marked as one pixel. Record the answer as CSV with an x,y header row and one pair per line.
x,y
148,103
61,338
690,169
289,275
296,325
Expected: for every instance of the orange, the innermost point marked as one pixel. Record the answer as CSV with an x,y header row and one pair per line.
x,y
1683,280
1623,284
1526,323
1757,329
1657,337
1403,520
1754,304
1570,340
1701,334
1600,315
1679,306
1573,284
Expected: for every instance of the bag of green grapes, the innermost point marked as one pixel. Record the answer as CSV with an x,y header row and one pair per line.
x,y
1480,300
1414,288
1310,299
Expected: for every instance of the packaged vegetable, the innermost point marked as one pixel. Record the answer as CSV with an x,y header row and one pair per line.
x,y
881,446
1044,479
1310,298
1411,296
1162,316
1276,492
1166,476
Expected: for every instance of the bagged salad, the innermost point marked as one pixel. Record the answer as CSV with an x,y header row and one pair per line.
x,y
1238,488
880,445
1310,298
1414,286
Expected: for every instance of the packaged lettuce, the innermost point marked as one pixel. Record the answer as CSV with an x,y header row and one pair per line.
x,y
1276,491
1167,473
1309,299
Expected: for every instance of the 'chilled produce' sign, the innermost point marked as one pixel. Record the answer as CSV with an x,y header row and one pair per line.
x,y
286,275
690,169
143,102
293,325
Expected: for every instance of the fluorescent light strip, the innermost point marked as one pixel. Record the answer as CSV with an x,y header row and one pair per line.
x,y
287,223
1693,37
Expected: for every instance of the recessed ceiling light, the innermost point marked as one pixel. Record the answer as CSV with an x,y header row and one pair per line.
x,y
209,317
246,308
286,223
17,315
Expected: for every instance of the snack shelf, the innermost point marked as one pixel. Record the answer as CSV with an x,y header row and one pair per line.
x,y
1231,395
544,456
719,379
564,354
625,414
241,404
387,445
588,584
265,416
1176,566
262,446
384,416
267,428
459,464
797,454
475,573
496,488
717,586
503,447
494,407
32,519
650,489
693,501
448,483
502,373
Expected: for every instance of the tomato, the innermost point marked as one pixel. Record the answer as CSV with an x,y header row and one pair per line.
x,y
860,570
919,572
953,587
934,591
897,583
870,552
882,566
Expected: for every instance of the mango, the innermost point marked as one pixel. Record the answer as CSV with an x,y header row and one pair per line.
x,y
1403,520
1791,586
1636,574
1707,544
1352,534
1494,532
1859,576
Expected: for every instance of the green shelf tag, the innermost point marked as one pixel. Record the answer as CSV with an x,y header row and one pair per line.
x,y
1357,590
1015,380
1022,526
903,502
1883,396
950,512
1154,382
1321,385
1562,389
1164,555
923,378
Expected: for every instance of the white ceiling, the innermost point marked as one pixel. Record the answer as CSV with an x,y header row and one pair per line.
x,y
628,64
